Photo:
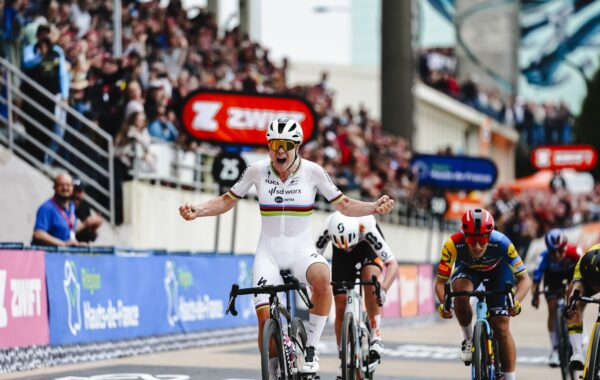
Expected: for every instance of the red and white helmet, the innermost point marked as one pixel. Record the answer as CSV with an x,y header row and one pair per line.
x,y
477,225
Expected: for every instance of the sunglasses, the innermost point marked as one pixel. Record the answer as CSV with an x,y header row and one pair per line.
x,y
287,145
471,239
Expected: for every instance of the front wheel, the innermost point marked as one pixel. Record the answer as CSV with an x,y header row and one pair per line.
x,y
299,339
272,352
481,357
347,347
564,346
592,367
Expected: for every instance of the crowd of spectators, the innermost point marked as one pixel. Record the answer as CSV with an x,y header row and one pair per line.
x,y
167,55
538,123
531,214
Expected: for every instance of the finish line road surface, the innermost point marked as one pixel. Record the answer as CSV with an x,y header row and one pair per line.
x,y
416,352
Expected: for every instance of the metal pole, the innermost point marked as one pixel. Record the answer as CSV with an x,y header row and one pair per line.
x,y
111,182
118,29
9,85
234,227
218,222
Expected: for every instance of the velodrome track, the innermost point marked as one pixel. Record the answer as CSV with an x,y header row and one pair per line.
x,y
416,351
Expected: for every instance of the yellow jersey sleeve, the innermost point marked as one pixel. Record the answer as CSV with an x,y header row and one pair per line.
x,y
449,253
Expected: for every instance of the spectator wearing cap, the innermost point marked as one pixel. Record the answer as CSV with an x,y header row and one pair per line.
x,y
55,221
87,229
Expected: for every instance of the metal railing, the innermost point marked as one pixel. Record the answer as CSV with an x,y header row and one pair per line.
x,y
29,117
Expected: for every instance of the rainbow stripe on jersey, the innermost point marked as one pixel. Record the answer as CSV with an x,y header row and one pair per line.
x,y
286,210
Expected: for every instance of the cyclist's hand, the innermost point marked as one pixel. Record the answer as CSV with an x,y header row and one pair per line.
x,y
384,205
188,212
535,301
567,313
515,310
446,314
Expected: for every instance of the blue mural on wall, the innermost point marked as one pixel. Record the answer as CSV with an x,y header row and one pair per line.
x,y
559,45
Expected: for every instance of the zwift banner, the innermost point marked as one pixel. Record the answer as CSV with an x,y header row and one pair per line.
x,y
23,302
99,298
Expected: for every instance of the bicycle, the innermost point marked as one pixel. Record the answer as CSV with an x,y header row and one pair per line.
x,y
591,371
485,364
288,347
564,345
355,351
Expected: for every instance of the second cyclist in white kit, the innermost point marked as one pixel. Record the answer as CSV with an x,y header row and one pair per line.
x,y
286,186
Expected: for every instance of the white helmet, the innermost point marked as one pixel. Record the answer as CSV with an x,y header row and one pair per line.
x,y
284,128
344,231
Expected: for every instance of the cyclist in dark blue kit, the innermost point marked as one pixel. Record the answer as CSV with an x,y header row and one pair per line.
x,y
555,265
478,252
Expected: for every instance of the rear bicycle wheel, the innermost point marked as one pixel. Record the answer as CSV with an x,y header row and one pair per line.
x,y
347,347
271,349
564,346
481,357
592,367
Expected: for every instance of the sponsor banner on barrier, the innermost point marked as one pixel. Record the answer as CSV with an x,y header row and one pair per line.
x,y
455,172
408,290
23,302
98,298
425,280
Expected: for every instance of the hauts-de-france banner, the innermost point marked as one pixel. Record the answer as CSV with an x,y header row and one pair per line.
x,y
99,298
23,302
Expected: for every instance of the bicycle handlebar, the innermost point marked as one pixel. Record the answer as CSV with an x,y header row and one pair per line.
x,y
448,295
268,289
578,297
350,284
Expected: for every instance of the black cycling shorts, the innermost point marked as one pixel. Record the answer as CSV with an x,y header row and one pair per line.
x,y
344,263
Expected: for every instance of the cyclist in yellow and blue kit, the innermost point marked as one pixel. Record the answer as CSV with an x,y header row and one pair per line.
x,y
586,279
479,252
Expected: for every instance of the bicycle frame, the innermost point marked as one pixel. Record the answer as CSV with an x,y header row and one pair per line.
x,y
276,311
354,306
481,311
592,359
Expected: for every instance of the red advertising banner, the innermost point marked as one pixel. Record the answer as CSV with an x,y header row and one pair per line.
x,y
426,300
408,290
555,157
239,118
23,302
391,307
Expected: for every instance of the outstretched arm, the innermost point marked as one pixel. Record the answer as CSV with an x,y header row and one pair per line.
x,y
353,207
215,206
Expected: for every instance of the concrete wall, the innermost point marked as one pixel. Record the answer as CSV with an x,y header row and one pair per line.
x,y
153,221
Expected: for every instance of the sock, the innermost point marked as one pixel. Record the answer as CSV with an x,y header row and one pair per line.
x,y
467,331
375,323
510,376
554,340
575,332
316,324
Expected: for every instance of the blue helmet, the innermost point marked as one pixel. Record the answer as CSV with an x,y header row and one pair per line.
x,y
555,239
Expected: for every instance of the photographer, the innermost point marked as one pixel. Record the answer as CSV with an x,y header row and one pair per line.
x,y
44,62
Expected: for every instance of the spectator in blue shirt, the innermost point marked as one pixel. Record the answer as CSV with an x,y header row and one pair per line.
x,y
55,221
162,127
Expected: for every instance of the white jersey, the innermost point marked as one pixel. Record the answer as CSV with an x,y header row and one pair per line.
x,y
286,207
368,233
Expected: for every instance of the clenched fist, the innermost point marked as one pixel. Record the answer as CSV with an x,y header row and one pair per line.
x,y
188,212
384,205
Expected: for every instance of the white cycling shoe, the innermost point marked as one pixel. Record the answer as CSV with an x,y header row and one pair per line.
x,y
554,360
466,351
311,360
576,362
